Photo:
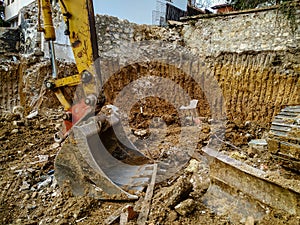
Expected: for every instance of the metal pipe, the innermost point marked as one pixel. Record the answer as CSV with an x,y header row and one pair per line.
x,y
52,58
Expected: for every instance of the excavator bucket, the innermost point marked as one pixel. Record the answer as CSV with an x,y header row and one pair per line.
x,y
99,161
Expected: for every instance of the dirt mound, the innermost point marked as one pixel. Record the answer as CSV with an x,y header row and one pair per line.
x,y
30,195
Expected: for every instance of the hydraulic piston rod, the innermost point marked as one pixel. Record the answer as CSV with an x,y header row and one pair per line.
x,y
49,33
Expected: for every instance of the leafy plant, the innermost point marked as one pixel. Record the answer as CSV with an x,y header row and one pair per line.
x,y
251,4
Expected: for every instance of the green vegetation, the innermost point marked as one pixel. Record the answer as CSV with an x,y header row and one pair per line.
x,y
251,4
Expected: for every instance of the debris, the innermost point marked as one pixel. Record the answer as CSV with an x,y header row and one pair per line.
x,y
250,221
258,144
186,207
32,114
174,23
80,220
25,186
147,200
14,131
54,145
141,133
192,105
45,183
205,129
18,123
130,215
42,158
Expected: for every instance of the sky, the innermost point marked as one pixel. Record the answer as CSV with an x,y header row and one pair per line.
x,y
137,11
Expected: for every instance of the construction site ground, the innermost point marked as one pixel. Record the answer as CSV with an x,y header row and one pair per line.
x,y
30,195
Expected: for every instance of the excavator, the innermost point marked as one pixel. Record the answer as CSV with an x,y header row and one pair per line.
x,y
96,158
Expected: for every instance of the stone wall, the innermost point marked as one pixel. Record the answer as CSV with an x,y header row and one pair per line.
x,y
254,57
268,30
10,39
31,38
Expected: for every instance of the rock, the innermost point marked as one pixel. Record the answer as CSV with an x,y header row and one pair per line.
x,y
205,129
14,131
258,144
193,166
249,221
252,152
27,196
200,177
171,196
34,195
172,216
141,133
54,146
45,183
238,155
18,123
186,207
25,186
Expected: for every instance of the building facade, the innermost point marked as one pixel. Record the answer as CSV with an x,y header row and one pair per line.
x,y
12,9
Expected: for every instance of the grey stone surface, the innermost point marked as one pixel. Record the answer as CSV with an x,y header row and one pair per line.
x,y
10,39
255,31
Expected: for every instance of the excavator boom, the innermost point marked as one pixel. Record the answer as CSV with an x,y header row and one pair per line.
x,y
96,158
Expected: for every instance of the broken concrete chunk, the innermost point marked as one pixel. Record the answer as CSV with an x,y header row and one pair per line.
x,y
32,114
14,131
171,196
186,207
193,167
18,123
25,186
249,221
258,144
172,216
45,183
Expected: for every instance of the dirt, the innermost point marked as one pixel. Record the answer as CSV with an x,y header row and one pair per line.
x,y
30,195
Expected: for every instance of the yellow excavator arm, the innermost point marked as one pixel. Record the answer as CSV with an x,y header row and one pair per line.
x,y
80,27
86,158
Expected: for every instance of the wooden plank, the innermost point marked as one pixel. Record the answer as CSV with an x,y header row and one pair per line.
x,y
113,217
143,216
124,217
